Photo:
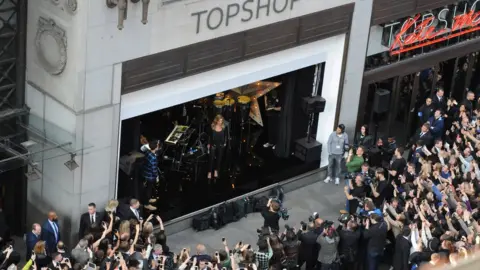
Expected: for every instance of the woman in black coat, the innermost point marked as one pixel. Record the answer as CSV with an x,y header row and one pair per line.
x,y
363,138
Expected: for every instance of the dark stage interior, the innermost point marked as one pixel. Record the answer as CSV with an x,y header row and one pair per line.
x,y
247,165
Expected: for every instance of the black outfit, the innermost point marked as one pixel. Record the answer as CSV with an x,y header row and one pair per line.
x,y
425,137
273,118
348,247
397,165
270,219
356,192
439,103
402,253
217,142
361,140
383,193
376,236
86,223
426,111
308,250
125,213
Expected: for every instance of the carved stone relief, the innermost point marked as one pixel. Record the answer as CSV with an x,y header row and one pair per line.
x,y
51,46
71,6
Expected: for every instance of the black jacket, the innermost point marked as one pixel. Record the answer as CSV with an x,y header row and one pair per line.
x,y
86,224
308,245
402,253
349,244
376,236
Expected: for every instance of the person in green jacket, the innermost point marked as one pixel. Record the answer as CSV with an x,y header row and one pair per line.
x,y
354,162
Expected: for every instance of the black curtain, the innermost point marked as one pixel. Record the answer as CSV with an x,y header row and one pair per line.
x,y
282,148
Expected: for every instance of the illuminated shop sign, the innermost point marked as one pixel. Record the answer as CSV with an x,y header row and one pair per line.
x,y
244,11
427,29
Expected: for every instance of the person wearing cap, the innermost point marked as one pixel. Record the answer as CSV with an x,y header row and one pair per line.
x,y
336,146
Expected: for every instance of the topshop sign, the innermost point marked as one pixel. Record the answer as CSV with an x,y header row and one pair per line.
x,y
243,12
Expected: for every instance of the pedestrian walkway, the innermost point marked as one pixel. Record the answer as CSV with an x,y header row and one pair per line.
x,y
326,199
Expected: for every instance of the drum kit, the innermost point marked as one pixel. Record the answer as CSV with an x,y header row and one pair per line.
x,y
226,106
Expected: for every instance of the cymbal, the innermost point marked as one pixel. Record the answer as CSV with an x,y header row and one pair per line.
x,y
244,99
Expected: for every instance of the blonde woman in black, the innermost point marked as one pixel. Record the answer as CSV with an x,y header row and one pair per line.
x,y
216,145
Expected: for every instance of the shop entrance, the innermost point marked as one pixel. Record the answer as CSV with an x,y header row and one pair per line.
x,y
408,92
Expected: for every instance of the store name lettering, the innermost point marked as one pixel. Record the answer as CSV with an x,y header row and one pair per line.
x,y
419,31
250,9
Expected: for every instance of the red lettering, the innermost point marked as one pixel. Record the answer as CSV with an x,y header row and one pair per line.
x,y
462,24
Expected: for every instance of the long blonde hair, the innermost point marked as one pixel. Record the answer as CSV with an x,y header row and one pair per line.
x,y
216,120
39,247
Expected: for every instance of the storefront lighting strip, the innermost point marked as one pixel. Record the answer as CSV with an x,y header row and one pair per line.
x,y
435,41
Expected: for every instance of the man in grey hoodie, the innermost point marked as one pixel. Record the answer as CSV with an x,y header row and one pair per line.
x,y
336,146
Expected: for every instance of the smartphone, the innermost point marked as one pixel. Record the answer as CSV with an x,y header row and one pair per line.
x,y
184,249
240,243
230,252
216,253
196,267
249,246
91,266
223,239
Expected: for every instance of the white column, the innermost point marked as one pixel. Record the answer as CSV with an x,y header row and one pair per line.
x,y
357,49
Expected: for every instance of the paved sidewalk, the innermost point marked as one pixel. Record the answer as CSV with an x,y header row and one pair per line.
x,y
326,199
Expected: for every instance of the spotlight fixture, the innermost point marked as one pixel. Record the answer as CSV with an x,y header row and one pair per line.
x,y
71,164
33,173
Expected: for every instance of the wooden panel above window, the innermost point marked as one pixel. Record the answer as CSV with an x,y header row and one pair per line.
x,y
171,65
385,11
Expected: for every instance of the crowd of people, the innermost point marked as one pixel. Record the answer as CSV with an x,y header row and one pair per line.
x,y
416,206
405,207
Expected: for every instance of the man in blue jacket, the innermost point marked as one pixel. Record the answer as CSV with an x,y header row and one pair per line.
x,y
437,124
150,172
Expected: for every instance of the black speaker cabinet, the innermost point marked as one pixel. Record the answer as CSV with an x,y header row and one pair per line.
x,y
313,104
308,151
381,101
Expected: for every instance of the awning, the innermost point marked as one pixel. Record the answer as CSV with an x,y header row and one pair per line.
x,y
45,141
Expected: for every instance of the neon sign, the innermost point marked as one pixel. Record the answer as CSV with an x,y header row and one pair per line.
x,y
425,33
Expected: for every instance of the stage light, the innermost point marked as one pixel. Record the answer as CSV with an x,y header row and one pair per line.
x,y
33,173
71,164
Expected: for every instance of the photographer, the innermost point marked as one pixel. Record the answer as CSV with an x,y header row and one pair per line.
x,y
308,247
379,191
270,215
355,192
349,243
291,247
376,234
328,242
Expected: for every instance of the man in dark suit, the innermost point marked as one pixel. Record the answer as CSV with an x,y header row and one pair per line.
x,y
32,238
130,211
437,124
308,250
439,101
91,219
423,135
402,250
51,232
349,244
